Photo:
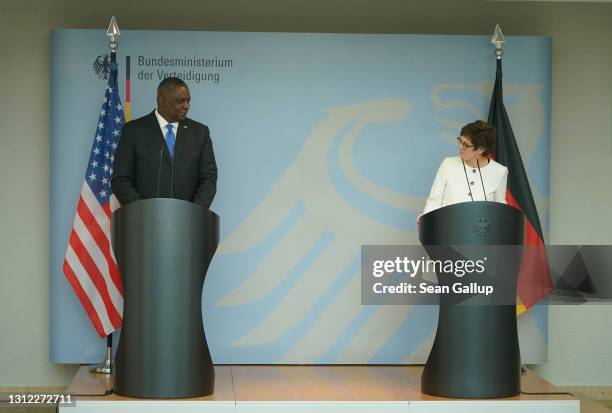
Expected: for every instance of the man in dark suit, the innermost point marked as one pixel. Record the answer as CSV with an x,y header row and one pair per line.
x,y
165,154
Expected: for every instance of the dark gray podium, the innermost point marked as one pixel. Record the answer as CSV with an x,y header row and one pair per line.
x,y
475,353
163,249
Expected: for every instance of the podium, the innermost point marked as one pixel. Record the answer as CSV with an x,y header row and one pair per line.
x,y
163,249
475,353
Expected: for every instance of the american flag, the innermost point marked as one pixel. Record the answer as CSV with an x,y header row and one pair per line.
x,y
90,264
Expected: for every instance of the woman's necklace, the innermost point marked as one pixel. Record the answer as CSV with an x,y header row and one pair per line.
x,y
470,183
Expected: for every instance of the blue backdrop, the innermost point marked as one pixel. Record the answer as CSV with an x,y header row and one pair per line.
x,y
324,142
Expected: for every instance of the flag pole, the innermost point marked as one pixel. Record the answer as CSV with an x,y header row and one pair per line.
x,y
534,281
105,367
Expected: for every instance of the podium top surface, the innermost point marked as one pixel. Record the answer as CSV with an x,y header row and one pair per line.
x,y
474,207
473,223
163,202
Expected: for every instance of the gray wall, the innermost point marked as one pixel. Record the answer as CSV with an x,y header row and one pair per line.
x,y
580,345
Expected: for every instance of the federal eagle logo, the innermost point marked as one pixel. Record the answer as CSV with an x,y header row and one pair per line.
x,y
101,66
481,227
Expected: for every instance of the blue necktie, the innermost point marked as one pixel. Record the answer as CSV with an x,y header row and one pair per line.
x,y
170,140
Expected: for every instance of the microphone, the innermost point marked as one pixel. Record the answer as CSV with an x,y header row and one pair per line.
x,y
172,175
173,154
161,149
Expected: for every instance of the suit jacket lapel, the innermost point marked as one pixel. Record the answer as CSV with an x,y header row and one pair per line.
x,y
181,135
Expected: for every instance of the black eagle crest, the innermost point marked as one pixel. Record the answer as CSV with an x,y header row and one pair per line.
x,y
481,227
101,66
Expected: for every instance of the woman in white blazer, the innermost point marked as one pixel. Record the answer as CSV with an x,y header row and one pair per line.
x,y
471,176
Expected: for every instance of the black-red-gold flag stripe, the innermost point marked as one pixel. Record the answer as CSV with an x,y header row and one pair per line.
x,y
534,282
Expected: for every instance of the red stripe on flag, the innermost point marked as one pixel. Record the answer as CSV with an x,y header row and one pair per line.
x,y
96,277
106,209
128,93
103,243
112,265
511,201
114,268
84,299
114,272
534,281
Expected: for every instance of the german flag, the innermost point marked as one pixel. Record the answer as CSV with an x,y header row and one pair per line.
x,y
534,281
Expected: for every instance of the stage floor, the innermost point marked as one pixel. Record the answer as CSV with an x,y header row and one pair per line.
x,y
287,389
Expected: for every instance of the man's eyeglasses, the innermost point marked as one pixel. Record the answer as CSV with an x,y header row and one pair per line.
x,y
463,143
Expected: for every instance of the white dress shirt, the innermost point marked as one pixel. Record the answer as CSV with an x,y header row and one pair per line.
x,y
451,186
162,124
